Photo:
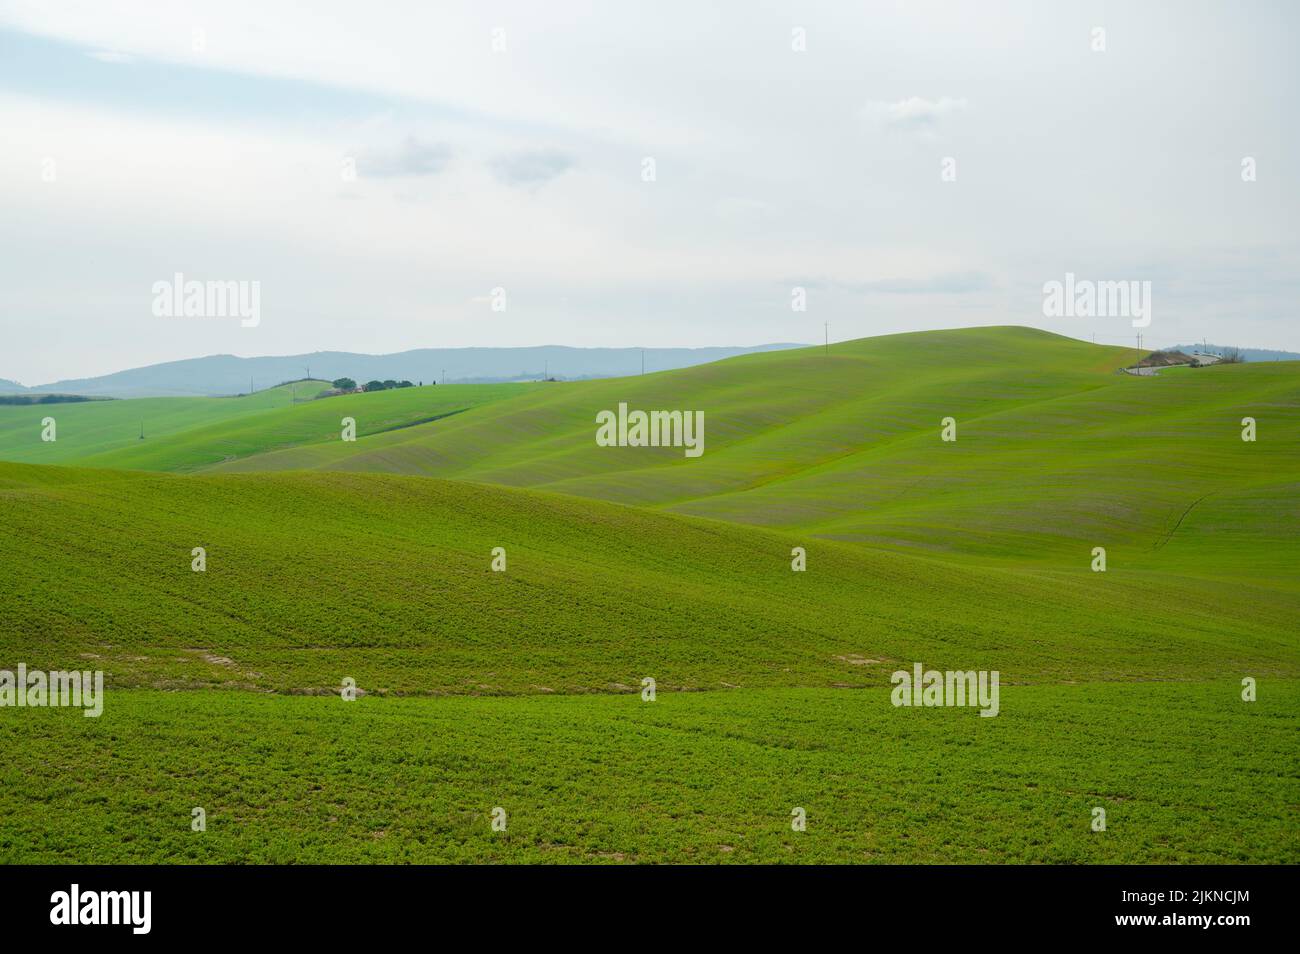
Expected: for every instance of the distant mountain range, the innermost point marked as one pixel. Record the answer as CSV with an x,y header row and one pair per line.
x,y
1250,354
225,374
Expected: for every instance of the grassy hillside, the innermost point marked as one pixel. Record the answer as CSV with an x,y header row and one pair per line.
x,y
691,777
313,577
95,427
767,415
1055,453
1147,467
183,434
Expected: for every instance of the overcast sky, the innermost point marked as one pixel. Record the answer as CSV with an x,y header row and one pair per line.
x,y
213,139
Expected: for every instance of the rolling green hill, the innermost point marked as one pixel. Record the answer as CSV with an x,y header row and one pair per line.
x,y
95,427
768,416
313,577
183,434
1056,453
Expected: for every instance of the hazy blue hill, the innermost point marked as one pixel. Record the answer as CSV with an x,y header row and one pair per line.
x,y
226,374
1250,354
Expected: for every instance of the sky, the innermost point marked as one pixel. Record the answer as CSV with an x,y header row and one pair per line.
x,y
403,175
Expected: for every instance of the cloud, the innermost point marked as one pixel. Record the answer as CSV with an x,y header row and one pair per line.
x,y
960,283
531,168
413,157
915,112
740,206
111,56
953,283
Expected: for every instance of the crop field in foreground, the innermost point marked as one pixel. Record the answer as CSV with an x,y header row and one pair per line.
x,y
371,560
1185,771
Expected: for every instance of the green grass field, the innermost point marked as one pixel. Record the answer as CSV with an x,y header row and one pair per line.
x,y
371,560
1185,772
183,434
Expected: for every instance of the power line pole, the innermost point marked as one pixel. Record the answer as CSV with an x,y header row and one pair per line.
x,y
827,325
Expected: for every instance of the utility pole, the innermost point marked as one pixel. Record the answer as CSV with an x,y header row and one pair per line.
x,y
827,325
